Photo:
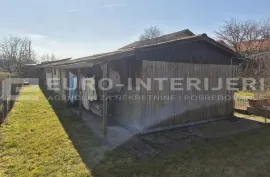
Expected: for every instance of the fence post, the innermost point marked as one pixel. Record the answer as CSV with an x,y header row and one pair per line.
x,y
5,107
5,87
105,102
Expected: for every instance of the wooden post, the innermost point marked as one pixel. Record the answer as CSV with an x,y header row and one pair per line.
x,y
67,84
80,92
61,83
51,83
45,79
5,102
105,106
6,83
265,116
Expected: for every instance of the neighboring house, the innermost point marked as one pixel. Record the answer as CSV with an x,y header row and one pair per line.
x,y
223,43
49,72
256,48
177,55
30,71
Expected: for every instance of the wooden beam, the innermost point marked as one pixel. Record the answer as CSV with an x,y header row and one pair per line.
x,y
5,101
51,83
45,79
188,124
105,103
67,84
61,82
6,86
80,92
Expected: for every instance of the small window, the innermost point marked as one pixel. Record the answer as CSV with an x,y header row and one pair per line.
x,y
54,71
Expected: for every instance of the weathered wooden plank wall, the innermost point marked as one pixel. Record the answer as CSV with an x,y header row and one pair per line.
x,y
63,82
56,75
185,106
47,76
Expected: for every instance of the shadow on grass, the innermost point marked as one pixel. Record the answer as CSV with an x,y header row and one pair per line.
x,y
241,111
91,148
121,163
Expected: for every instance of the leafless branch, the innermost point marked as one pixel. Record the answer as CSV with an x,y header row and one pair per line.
x,y
48,57
14,53
150,33
245,37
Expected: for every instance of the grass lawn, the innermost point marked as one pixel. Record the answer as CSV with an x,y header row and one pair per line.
x,y
241,99
42,139
34,143
244,94
3,75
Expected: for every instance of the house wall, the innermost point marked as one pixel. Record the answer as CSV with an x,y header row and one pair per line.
x,y
53,74
56,75
150,113
48,76
63,82
193,52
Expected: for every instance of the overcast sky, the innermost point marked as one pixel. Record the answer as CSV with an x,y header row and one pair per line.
x,y
85,27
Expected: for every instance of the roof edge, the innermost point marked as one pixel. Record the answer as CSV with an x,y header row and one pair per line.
x,y
181,31
51,62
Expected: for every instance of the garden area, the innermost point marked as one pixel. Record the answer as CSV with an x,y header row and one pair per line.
x,y
42,138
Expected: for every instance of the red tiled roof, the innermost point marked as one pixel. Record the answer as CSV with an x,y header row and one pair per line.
x,y
257,45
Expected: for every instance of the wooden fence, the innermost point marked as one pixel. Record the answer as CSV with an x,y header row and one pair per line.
x,y
8,91
178,107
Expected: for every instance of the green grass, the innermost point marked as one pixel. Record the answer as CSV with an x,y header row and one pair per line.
x,y
34,143
42,139
253,118
3,75
241,99
244,93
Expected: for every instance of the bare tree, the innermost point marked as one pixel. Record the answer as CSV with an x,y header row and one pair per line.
x,y
245,37
150,33
48,57
14,53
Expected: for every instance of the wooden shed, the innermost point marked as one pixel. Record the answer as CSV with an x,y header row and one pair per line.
x,y
180,55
